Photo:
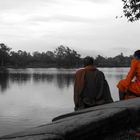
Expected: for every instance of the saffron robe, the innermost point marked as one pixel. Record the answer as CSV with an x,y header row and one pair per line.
x,y
90,83
132,80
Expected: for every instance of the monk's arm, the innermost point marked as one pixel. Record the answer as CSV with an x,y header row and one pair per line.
x,y
75,97
131,73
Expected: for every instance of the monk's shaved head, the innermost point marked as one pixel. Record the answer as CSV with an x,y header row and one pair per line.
x,y
137,54
88,61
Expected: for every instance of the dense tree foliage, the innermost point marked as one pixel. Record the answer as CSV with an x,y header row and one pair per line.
x,y
62,56
66,57
132,9
4,53
117,61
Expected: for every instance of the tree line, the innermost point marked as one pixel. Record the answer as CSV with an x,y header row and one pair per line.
x,y
62,56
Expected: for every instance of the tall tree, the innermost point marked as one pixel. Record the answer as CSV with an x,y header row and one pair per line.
x,y
4,53
131,9
66,57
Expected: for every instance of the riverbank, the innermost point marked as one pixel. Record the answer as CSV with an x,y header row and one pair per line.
x,y
56,66
101,122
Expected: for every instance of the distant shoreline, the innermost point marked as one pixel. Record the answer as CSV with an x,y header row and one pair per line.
x,y
13,67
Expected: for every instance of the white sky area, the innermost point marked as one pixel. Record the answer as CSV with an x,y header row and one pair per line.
x,y
88,26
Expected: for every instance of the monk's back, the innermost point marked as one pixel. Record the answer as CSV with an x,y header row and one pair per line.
x,y
90,84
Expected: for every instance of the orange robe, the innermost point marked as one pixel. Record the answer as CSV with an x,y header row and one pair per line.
x,y
79,82
98,96
132,80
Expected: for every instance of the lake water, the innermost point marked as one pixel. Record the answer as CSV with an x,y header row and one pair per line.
x,y
32,97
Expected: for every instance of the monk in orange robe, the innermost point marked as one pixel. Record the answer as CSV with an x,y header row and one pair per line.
x,y
90,86
130,86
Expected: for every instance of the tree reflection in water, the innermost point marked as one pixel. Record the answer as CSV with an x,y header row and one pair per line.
x,y
61,80
4,84
42,77
64,80
19,78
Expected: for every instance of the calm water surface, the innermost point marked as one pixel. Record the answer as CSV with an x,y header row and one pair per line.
x,y
32,97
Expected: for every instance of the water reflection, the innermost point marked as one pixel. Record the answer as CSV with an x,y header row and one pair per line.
x,y
42,77
35,96
4,84
19,78
61,80
64,80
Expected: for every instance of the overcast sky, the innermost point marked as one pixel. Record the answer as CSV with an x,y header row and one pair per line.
x,y
88,26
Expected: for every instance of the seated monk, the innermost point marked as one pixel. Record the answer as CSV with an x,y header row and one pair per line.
x,y
90,86
130,86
